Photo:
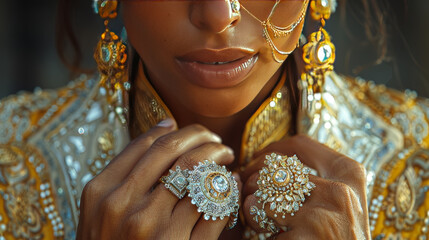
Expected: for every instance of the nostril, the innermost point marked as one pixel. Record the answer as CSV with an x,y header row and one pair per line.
x,y
233,23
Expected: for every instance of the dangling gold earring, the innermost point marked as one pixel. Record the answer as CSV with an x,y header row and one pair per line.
x,y
318,53
111,57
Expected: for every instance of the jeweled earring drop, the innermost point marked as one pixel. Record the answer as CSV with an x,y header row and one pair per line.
x,y
318,53
278,32
235,6
111,57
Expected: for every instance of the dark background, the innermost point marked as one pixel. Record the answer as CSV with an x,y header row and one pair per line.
x,y
29,59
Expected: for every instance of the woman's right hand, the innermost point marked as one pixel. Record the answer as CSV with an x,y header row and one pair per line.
x,y
125,202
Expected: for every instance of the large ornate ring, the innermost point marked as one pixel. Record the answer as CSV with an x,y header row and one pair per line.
x,y
176,181
214,191
283,184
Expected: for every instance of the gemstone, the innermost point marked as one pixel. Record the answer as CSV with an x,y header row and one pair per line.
x,y
324,53
295,206
180,181
281,176
264,196
235,5
105,53
220,184
324,3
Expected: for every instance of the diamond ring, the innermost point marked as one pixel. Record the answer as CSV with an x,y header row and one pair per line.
x,y
283,184
214,191
176,181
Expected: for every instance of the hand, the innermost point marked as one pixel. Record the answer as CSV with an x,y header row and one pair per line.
x,y
125,202
337,206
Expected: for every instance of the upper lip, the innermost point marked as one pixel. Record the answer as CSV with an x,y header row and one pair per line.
x,y
217,55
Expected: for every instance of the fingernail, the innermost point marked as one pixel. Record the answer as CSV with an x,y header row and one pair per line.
x,y
166,123
216,138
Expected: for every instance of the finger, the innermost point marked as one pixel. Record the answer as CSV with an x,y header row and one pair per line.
x,y
103,184
251,184
249,202
308,206
208,229
328,201
216,152
122,164
327,162
212,229
161,155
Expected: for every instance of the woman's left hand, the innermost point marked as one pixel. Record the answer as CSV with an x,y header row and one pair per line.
x,y
337,207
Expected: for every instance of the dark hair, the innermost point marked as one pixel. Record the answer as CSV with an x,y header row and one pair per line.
x,y
65,35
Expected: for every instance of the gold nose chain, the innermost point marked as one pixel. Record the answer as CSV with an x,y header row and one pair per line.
x,y
277,31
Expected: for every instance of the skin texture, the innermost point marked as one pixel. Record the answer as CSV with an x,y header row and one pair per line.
x,y
336,208
161,31
124,195
125,200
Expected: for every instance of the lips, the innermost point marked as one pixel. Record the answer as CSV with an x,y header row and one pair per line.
x,y
211,68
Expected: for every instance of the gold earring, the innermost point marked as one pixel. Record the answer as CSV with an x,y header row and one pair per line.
x,y
111,57
111,52
318,52
277,32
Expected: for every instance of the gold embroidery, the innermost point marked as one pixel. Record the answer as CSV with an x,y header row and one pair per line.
x,y
23,209
269,123
29,211
105,148
401,210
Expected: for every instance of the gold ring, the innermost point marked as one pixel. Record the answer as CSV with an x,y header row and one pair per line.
x,y
283,184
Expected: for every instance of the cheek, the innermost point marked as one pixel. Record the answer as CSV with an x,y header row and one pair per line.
x,y
152,27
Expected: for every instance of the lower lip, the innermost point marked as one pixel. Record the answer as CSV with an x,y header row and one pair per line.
x,y
218,76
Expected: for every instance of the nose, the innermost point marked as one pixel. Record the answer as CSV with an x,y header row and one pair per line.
x,y
213,15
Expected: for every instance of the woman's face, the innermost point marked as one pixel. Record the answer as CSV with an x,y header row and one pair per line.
x,y
201,56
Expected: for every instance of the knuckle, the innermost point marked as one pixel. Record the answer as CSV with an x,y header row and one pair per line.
x,y
143,141
216,152
216,147
137,226
92,190
199,128
341,189
343,194
350,169
112,206
209,151
187,161
359,172
170,143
